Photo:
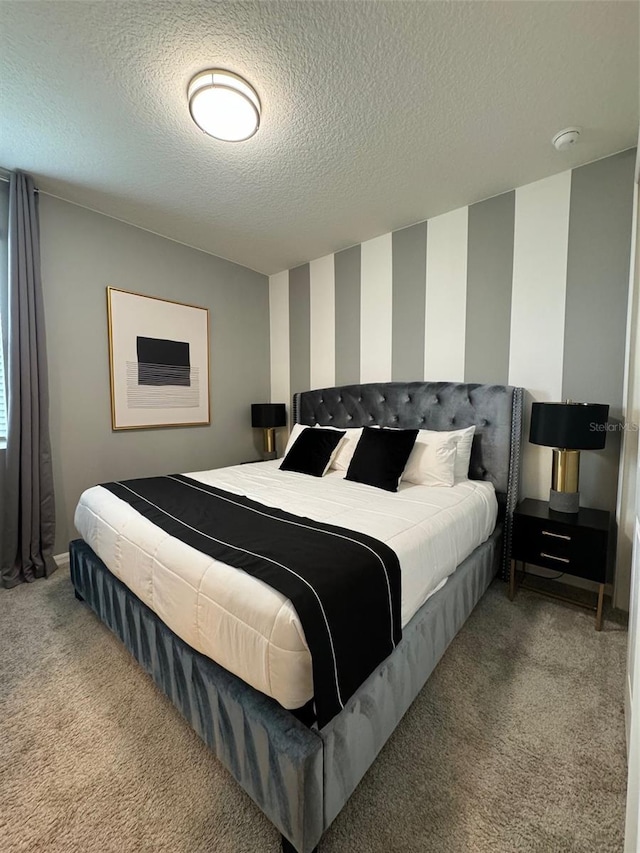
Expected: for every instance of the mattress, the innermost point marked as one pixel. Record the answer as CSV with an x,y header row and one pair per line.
x,y
245,625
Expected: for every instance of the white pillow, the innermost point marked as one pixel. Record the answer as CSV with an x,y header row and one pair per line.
x,y
346,448
296,429
432,460
463,439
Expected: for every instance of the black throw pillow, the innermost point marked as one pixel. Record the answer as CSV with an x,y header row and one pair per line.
x,y
311,451
381,456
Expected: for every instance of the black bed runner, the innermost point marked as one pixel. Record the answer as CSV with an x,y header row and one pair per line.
x,y
345,586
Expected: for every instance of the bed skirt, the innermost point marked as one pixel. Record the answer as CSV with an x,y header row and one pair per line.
x,y
299,777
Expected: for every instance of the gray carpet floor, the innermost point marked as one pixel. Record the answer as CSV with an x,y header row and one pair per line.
x,y
516,744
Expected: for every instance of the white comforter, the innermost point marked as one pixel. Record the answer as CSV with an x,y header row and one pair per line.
x,y
242,623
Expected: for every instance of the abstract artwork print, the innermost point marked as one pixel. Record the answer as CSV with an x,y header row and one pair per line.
x,y
159,361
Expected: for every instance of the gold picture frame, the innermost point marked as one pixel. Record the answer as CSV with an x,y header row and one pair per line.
x,y
159,352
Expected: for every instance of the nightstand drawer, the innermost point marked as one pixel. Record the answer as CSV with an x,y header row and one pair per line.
x,y
563,547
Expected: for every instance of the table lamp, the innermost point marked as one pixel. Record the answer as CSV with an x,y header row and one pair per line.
x,y
568,428
267,417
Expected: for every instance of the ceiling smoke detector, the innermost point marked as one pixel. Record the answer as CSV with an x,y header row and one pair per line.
x,y
566,138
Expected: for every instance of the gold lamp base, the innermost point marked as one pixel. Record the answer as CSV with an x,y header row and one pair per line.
x,y
269,440
565,474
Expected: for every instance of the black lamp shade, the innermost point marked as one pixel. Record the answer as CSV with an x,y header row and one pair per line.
x,y
570,426
268,415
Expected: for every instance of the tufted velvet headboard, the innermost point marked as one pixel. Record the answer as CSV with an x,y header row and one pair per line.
x,y
496,411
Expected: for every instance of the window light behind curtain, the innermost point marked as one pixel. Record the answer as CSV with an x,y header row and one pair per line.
x,y
3,397
4,221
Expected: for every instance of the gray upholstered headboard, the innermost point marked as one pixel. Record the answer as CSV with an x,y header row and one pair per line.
x,y
495,410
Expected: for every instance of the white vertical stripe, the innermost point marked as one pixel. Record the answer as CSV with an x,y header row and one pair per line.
x,y
541,240
375,309
446,302
279,334
323,322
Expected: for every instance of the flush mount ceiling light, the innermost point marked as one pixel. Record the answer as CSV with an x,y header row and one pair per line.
x,y
224,105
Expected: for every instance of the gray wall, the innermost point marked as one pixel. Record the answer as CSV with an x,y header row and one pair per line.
x,y
409,262
455,278
489,281
597,304
299,329
84,252
347,309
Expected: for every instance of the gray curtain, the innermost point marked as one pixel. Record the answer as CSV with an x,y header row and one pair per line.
x,y
29,514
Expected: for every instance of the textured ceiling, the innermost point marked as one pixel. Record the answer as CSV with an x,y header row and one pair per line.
x,y
375,115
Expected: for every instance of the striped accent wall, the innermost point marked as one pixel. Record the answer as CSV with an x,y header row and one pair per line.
x,y
527,288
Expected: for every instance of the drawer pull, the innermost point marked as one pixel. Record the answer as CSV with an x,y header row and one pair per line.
x,y
551,557
556,535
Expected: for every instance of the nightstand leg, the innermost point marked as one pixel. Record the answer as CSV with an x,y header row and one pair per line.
x,y
599,610
512,580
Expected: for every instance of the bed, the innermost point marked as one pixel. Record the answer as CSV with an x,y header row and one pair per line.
x,y
299,774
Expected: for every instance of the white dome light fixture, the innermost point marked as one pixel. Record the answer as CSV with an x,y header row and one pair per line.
x,y
224,105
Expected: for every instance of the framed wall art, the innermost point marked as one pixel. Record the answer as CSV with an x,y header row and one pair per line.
x,y
158,361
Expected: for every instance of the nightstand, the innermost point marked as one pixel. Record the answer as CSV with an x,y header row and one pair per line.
x,y
572,543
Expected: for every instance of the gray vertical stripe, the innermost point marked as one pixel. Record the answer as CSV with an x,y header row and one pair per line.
x,y
489,283
299,329
409,265
347,296
596,306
